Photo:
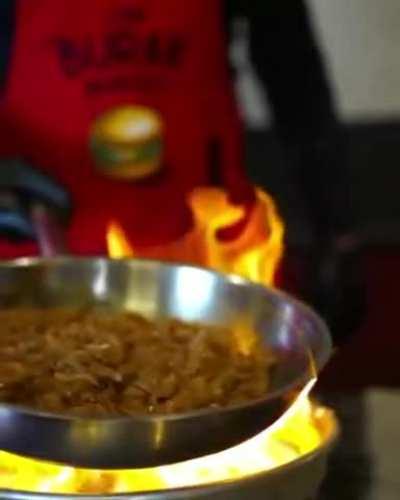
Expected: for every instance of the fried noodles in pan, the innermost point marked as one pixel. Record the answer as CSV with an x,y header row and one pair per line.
x,y
105,363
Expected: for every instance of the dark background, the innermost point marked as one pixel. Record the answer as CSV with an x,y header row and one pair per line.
x,y
371,355
374,161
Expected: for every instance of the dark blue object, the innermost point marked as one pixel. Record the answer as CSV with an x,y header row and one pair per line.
x,y
21,187
33,186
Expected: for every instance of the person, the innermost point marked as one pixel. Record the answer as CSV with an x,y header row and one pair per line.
x,y
67,67
287,59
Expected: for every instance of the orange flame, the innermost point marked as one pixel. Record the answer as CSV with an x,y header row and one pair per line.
x,y
255,254
117,243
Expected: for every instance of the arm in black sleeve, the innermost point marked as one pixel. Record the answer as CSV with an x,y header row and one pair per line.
x,y
287,60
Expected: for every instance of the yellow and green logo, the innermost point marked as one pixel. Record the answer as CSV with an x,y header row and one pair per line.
x,y
127,142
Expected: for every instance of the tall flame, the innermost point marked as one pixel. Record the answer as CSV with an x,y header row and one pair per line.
x,y
254,254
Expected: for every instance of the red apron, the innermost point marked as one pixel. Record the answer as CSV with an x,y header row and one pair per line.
x,y
73,60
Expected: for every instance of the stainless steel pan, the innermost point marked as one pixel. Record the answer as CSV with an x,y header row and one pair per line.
x,y
158,290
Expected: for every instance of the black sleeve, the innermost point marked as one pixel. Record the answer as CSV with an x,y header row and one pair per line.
x,y
7,21
287,60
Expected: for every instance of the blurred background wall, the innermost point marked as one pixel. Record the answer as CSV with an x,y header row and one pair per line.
x,y
361,39
361,42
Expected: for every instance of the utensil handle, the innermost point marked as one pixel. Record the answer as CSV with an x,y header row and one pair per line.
x,y
49,234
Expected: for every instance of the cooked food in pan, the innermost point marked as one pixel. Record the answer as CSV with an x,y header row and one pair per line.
x,y
103,363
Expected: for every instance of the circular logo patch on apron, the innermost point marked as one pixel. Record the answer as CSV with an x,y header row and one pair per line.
x,y
127,142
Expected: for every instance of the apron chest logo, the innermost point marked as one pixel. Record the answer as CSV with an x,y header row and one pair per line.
x,y
151,49
127,142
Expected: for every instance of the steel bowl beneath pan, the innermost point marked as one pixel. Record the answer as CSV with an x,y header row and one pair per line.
x,y
158,290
